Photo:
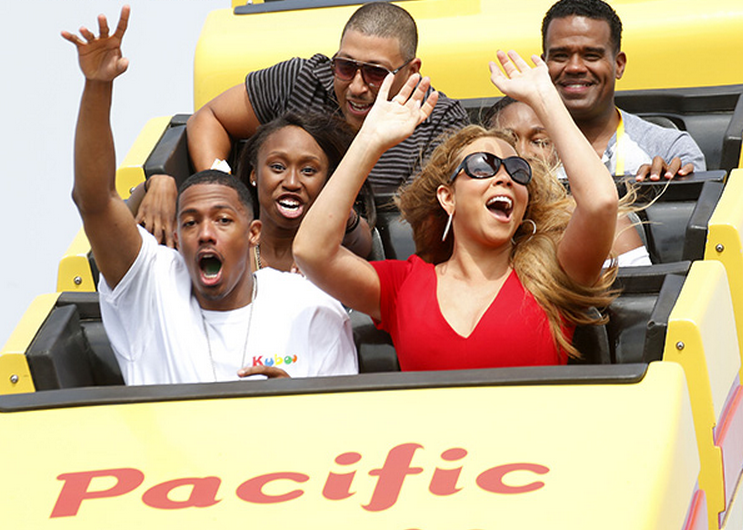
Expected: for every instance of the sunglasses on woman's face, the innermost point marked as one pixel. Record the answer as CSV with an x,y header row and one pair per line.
x,y
486,165
372,74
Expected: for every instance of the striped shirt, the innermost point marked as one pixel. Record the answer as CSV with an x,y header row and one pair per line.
x,y
307,85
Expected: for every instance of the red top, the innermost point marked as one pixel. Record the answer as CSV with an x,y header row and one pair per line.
x,y
514,331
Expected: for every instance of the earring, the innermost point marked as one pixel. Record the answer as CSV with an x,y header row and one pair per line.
x,y
448,226
533,225
533,229
252,183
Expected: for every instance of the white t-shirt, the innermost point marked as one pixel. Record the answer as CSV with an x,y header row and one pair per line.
x,y
157,328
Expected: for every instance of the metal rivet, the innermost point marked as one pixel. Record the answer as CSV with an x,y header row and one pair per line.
x,y
719,247
680,345
131,190
14,379
78,280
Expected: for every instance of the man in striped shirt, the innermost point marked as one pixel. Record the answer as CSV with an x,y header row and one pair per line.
x,y
378,39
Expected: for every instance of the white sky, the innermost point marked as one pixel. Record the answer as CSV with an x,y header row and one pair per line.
x,y
40,91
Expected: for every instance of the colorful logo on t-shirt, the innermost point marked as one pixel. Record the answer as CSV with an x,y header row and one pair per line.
x,y
276,360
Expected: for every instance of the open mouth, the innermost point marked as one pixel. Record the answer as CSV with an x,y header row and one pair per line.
x,y
359,108
501,206
210,266
290,207
575,86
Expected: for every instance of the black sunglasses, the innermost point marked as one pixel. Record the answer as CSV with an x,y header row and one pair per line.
x,y
372,74
486,165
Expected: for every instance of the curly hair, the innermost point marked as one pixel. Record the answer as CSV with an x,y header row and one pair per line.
x,y
533,256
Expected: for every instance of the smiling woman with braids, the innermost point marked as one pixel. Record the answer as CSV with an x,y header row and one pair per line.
x,y
506,263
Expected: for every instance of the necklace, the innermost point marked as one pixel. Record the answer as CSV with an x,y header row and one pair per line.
x,y
259,263
257,252
247,332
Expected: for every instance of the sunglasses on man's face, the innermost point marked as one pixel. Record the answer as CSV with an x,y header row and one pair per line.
x,y
486,165
372,74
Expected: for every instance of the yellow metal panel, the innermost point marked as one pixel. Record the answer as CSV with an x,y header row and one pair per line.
x,y
457,38
725,243
131,171
605,456
15,377
73,273
702,338
33,318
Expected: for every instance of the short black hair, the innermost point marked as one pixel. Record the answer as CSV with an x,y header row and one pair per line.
x,y
214,176
595,9
382,19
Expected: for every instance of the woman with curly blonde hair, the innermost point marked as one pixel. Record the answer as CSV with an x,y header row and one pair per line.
x,y
507,264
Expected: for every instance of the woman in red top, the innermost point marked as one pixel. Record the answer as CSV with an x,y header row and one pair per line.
x,y
507,264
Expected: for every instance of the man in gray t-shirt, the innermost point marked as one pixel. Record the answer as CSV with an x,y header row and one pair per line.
x,y
581,42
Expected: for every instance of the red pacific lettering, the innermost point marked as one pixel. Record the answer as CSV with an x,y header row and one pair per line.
x,y
257,361
75,488
492,479
252,490
391,476
444,481
203,493
338,485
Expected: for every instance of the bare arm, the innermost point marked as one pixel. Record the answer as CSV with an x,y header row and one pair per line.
x,y
154,207
108,223
212,129
590,233
317,245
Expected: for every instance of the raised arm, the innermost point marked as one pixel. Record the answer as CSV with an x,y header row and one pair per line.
x,y
108,222
590,232
317,245
212,129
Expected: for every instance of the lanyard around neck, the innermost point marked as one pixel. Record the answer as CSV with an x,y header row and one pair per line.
x,y
620,151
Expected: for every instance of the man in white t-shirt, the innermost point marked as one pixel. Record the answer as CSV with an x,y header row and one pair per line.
x,y
199,313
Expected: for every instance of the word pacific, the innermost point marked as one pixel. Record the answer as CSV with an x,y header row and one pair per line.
x,y
338,486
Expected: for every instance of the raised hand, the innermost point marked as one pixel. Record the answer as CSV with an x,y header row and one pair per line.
x,y
100,57
390,121
521,81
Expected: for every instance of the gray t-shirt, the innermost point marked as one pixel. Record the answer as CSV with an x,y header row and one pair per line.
x,y
644,140
307,85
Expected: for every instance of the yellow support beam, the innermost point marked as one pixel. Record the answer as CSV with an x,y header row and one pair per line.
x,y
702,338
73,273
725,243
15,376
131,171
